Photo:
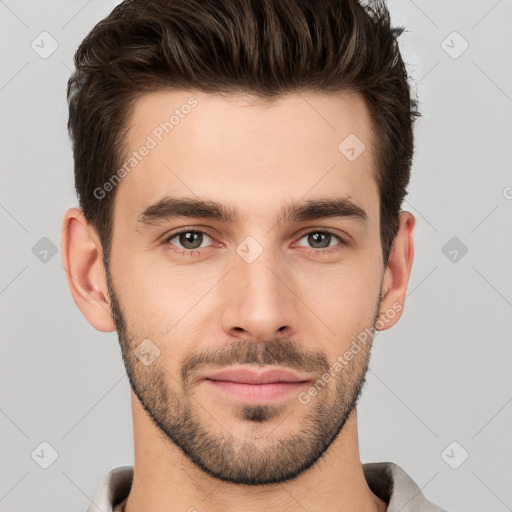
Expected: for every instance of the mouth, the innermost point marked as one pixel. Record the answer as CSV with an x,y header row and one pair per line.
x,y
252,387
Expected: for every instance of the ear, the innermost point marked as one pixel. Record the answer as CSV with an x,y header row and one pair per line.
x,y
396,275
82,258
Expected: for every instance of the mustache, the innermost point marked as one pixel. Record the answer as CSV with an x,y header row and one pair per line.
x,y
281,352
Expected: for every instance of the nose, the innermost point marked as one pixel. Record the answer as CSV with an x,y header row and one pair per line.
x,y
260,301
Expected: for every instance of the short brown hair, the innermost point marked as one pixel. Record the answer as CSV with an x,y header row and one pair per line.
x,y
264,48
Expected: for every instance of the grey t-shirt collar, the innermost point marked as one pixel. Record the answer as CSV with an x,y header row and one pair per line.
x,y
386,479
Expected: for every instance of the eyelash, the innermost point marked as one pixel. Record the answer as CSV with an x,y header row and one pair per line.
x,y
197,252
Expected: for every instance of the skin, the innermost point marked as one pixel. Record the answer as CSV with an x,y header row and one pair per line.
x,y
294,306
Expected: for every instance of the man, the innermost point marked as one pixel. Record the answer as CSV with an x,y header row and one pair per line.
x,y
240,166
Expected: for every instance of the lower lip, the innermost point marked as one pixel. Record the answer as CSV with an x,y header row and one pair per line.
x,y
256,393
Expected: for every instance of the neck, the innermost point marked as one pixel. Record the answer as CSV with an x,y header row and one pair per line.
x,y
166,480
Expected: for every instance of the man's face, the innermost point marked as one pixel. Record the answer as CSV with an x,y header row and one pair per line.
x,y
258,291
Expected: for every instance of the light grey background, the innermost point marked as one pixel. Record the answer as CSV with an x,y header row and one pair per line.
x,y
441,375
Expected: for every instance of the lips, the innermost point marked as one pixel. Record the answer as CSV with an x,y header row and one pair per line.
x,y
246,376
253,387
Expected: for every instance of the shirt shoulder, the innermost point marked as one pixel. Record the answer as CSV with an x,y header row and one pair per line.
x,y
114,488
392,484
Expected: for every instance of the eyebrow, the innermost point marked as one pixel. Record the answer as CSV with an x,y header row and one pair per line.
x,y
169,208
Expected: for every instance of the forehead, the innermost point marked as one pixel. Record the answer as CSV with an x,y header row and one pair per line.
x,y
253,154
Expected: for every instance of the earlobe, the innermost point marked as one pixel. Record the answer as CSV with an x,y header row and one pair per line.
x,y
82,258
397,273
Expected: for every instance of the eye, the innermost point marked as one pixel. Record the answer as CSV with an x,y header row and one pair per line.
x,y
322,240
189,240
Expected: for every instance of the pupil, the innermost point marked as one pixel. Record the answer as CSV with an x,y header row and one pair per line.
x,y
188,237
317,235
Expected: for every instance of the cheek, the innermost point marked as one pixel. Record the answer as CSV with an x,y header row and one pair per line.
x,y
158,298
343,298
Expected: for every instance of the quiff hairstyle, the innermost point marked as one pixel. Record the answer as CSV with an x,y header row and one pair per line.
x,y
265,48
